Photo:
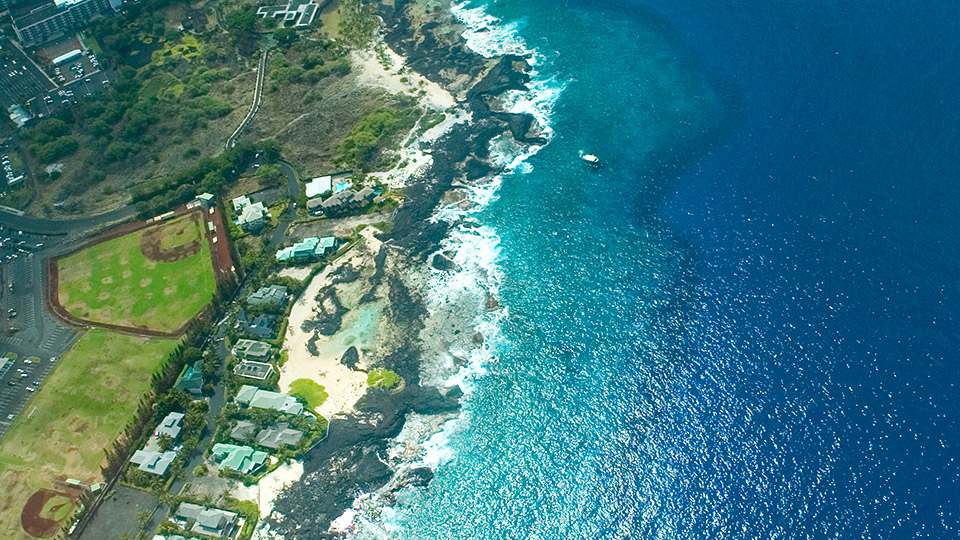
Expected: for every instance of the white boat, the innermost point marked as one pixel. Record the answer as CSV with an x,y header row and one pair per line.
x,y
590,159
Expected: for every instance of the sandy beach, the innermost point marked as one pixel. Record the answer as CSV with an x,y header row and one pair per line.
x,y
344,385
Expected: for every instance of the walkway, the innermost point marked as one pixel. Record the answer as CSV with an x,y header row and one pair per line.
x,y
257,98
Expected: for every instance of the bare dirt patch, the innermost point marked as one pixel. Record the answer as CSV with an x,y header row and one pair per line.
x,y
44,512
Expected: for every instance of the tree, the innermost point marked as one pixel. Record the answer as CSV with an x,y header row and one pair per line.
x,y
165,441
143,516
241,21
285,36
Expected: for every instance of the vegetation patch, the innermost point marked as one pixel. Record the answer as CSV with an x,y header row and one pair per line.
x,y
311,392
88,399
113,282
383,378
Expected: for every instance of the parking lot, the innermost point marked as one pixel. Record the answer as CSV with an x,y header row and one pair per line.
x,y
90,84
20,79
25,327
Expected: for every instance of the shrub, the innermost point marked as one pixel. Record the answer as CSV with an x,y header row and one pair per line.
x,y
383,378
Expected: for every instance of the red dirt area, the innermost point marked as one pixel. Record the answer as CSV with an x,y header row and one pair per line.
x,y
150,246
33,523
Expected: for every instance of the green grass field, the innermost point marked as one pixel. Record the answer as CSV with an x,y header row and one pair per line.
x,y
114,283
89,397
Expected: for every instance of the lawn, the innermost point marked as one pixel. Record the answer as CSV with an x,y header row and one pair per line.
x,y
90,396
114,283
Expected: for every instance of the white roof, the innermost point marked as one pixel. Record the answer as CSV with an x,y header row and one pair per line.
x,y
240,202
319,186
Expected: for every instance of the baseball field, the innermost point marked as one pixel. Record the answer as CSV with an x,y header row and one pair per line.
x,y
157,278
89,397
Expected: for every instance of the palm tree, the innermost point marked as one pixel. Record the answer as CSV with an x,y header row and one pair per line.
x,y
165,441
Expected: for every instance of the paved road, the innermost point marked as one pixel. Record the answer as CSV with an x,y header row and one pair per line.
x,y
73,227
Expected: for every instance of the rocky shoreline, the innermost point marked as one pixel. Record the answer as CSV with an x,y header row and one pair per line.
x,y
352,458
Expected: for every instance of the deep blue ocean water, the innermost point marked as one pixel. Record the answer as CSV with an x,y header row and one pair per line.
x,y
747,325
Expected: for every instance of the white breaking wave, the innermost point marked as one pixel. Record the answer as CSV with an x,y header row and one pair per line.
x,y
462,295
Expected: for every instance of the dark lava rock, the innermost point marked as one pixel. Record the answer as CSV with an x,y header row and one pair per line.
x,y
475,169
329,314
344,274
377,278
502,77
350,358
455,392
419,477
403,307
478,339
441,262
491,303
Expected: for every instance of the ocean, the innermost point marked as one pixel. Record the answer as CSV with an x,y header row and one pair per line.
x,y
743,326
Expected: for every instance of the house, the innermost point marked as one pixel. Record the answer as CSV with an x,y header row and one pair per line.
x,y
253,370
315,207
171,425
208,521
243,431
263,326
153,462
242,459
191,381
279,435
254,397
240,203
253,217
366,196
273,295
249,349
340,203
307,250
295,13
319,186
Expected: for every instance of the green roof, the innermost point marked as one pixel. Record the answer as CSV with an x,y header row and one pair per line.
x,y
246,393
307,248
239,458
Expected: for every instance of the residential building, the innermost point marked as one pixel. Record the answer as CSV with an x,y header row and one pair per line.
x,y
279,435
253,370
207,521
308,249
243,431
319,186
153,462
256,398
171,425
191,381
39,23
242,459
240,202
263,326
346,201
273,295
253,217
315,206
295,13
248,349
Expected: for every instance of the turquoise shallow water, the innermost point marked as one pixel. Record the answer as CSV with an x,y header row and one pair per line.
x,y
746,325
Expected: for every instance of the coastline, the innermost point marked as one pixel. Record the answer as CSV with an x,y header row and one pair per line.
x,y
379,441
